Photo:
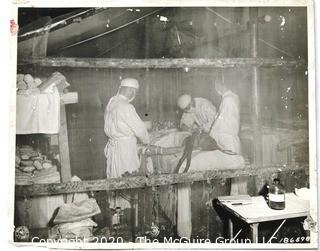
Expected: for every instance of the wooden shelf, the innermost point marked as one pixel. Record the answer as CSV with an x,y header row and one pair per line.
x,y
150,181
162,63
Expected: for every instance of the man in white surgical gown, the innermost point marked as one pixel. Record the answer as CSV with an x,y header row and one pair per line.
x,y
226,129
123,127
197,112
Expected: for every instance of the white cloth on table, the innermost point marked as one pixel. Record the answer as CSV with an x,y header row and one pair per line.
x,y
202,114
122,126
38,113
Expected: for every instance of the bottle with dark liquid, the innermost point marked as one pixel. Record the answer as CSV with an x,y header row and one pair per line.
x,y
277,195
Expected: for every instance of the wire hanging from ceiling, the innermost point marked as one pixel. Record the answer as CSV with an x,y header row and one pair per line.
x,y
50,26
113,30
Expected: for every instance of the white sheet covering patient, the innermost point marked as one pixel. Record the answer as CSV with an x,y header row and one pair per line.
x,y
201,161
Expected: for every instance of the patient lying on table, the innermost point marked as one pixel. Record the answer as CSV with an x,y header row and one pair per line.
x,y
223,128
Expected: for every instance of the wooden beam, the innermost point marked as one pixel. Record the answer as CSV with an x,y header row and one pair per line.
x,y
255,86
145,181
64,146
162,63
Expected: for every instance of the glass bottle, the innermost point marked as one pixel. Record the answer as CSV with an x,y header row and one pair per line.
x,y
116,218
277,195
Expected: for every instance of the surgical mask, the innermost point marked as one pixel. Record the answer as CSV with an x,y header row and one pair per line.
x,y
132,98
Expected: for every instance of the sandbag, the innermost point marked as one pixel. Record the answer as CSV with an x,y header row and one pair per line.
x,y
80,229
76,211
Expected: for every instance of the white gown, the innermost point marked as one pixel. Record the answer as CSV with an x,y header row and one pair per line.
x,y
122,126
226,130
203,114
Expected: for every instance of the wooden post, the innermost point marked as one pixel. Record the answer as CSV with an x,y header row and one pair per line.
x,y
147,55
64,146
256,120
155,205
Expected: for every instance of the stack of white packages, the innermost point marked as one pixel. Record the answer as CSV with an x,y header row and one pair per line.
x,y
26,84
34,167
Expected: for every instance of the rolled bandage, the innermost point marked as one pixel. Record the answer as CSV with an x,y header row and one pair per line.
x,y
27,169
32,85
37,164
28,79
37,81
46,165
20,77
17,161
22,85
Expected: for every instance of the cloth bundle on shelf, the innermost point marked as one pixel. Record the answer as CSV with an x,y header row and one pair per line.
x,y
77,211
55,80
39,113
30,85
34,167
26,84
73,220
38,103
44,176
80,229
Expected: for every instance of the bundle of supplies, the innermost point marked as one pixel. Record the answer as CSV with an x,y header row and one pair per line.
x,y
73,220
34,167
27,84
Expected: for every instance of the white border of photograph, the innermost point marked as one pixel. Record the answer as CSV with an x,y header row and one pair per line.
x,y
10,100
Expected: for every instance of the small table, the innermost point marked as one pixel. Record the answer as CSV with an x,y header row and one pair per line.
x,y
258,211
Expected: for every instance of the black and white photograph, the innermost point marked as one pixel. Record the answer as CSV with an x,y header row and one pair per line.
x,y
165,125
